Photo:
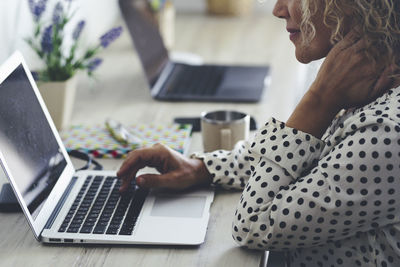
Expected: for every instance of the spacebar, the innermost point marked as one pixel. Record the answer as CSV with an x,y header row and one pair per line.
x,y
133,212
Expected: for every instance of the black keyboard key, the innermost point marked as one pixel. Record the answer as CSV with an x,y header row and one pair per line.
x,y
99,230
90,220
75,225
86,230
73,230
90,224
112,231
102,224
79,217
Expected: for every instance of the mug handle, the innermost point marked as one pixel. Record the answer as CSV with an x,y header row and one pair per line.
x,y
225,135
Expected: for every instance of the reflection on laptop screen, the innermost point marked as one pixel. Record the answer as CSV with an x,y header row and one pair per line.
x,y
146,37
27,141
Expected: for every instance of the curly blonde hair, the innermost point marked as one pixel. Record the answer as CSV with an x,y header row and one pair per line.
x,y
379,22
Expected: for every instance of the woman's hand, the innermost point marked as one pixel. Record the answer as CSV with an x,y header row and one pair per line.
x,y
176,171
347,78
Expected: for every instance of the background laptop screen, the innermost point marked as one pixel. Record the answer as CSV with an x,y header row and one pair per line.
x,y
27,141
146,37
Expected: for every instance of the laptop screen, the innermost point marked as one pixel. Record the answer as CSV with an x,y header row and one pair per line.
x,y
143,28
27,141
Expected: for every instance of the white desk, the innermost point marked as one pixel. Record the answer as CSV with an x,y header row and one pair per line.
x,y
120,92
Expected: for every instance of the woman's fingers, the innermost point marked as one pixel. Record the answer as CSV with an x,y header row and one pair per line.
x,y
384,82
128,170
136,160
156,181
158,156
349,40
126,183
359,46
176,171
140,158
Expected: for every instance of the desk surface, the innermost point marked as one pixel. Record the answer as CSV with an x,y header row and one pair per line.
x,y
120,92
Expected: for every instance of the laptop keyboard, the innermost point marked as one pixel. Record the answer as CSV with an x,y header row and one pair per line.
x,y
195,80
100,208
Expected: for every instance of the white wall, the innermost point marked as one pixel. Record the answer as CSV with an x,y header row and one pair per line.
x,y
200,5
10,24
100,15
17,23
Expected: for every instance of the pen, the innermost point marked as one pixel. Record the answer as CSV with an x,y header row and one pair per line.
x,y
120,133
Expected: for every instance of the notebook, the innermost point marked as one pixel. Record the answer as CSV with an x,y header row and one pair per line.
x,y
65,206
97,140
174,81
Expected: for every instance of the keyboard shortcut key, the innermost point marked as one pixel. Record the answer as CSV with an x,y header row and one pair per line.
x,y
73,230
102,224
125,231
112,231
89,224
99,229
86,230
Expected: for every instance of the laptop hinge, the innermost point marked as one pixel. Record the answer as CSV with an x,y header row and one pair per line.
x,y
166,72
60,203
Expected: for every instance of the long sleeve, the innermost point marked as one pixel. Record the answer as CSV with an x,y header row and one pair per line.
x,y
329,202
229,169
303,192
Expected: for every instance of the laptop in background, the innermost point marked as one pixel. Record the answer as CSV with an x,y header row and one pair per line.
x,y
173,81
65,206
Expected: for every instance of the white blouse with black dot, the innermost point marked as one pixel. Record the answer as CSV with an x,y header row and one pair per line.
x,y
329,202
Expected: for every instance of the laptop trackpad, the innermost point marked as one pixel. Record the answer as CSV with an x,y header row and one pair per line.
x,y
178,206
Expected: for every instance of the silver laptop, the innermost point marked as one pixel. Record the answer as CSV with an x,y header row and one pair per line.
x,y
173,81
65,206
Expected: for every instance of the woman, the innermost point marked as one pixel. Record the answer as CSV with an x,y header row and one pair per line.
x,y
324,186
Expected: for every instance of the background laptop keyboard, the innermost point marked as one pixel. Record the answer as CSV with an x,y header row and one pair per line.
x,y
100,208
195,80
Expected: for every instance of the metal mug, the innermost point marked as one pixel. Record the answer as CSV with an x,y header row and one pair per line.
x,y
222,129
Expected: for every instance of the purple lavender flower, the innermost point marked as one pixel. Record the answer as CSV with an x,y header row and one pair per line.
x,y
110,36
78,30
37,9
47,45
58,10
94,64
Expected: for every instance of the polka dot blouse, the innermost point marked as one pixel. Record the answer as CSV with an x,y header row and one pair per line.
x,y
329,202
